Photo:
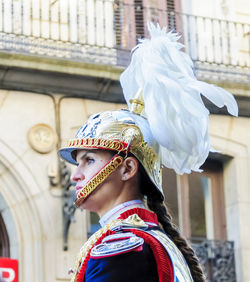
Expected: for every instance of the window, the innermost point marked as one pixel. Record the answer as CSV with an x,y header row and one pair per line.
x,y
139,18
196,201
171,14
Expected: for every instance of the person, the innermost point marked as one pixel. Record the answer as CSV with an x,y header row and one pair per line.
x,y
119,156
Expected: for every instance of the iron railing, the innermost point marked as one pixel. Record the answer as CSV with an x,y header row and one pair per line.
x,y
217,258
104,31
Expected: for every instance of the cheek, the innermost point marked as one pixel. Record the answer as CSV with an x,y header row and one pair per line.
x,y
101,163
95,168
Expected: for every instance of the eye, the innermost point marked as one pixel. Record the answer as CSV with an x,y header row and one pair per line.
x,y
90,160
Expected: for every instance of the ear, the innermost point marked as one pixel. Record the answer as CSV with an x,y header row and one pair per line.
x,y
130,168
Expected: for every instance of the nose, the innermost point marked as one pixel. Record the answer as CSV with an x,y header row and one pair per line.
x,y
77,175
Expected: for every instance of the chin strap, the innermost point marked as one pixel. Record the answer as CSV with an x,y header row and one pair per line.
x,y
97,179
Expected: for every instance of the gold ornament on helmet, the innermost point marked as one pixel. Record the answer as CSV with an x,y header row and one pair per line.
x,y
137,103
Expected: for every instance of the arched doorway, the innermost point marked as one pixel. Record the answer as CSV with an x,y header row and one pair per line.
x,y
4,239
20,228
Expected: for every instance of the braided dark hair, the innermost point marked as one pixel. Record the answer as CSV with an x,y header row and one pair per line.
x,y
156,204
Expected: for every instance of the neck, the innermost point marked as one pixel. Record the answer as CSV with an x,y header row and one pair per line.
x,y
127,191
115,212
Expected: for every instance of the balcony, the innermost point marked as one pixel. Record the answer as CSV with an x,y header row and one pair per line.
x,y
79,48
104,31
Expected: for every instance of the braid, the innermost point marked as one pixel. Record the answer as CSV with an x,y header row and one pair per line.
x,y
171,230
156,204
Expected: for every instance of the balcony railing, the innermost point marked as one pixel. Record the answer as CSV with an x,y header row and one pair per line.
x,y
104,31
217,258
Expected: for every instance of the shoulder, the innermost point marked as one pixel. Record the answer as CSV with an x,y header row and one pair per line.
x,y
121,257
117,244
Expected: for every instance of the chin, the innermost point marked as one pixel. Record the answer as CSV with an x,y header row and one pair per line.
x,y
94,201
88,204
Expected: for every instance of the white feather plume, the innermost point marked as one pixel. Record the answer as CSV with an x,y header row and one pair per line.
x,y
176,114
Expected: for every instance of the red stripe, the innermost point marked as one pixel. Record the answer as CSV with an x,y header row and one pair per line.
x,y
81,274
144,214
164,264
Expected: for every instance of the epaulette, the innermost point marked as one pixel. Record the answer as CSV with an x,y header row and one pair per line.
x,y
117,226
116,244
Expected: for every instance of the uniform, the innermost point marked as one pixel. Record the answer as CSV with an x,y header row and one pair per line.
x,y
131,248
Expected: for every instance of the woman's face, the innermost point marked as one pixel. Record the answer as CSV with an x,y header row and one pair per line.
x,y
89,163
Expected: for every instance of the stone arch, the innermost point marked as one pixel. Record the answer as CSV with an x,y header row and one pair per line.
x,y
20,214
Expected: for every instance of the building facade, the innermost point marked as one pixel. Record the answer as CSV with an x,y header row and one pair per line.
x,y
60,61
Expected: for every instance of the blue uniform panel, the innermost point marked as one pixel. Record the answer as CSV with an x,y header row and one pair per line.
x,y
129,267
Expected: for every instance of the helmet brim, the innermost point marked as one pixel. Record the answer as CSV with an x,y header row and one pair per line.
x,y
66,154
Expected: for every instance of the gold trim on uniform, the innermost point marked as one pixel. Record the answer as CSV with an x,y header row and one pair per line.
x,y
133,220
89,244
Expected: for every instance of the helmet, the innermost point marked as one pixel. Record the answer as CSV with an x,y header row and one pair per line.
x,y
167,123
122,131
